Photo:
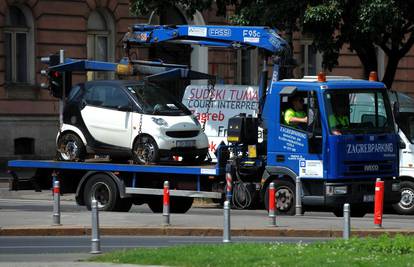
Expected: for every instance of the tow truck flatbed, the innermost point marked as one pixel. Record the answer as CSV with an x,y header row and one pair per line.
x,y
128,177
211,169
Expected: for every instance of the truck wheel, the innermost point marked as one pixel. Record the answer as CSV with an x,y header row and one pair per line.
x,y
181,204
70,148
103,189
357,212
177,204
145,150
406,204
285,197
124,205
155,204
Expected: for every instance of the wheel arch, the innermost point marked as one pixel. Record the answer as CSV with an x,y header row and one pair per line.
x,y
81,186
406,178
272,173
71,129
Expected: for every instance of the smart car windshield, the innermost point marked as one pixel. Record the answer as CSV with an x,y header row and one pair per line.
x,y
156,100
358,111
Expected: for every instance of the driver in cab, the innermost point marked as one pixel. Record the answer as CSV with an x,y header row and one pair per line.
x,y
339,119
295,115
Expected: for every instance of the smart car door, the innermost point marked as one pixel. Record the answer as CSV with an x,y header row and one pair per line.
x,y
107,114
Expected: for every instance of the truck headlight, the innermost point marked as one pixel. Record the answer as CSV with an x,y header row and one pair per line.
x,y
336,189
159,121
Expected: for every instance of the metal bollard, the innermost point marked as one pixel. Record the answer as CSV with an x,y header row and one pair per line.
x,y
226,230
54,178
298,210
379,202
347,221
229,183
56,203
272,204
166,204
95,241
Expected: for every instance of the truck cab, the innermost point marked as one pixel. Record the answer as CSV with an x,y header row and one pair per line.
x,y
405,122
336,164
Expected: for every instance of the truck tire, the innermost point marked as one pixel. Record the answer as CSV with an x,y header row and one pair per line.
x,y
177,204
357,212
70,148
181,204
406,204
102,188
285,197
155,204
124,205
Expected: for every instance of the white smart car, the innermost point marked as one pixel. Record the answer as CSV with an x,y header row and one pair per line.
x,y
128,119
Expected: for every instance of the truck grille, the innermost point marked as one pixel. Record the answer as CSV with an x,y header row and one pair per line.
x,y
182,134
382,168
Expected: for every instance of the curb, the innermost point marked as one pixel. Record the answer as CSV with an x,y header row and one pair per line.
x,y
186,231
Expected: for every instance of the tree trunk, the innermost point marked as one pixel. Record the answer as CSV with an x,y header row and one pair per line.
x,y
368,58
391,69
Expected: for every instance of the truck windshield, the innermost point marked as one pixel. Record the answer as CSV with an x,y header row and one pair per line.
x,y
353,112
156,100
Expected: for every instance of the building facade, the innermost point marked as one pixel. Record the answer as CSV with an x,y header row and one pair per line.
x,y
31,29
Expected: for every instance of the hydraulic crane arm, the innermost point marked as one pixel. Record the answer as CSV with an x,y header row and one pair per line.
x,y
212,36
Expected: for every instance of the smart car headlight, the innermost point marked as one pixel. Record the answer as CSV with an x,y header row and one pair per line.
x,y
160,121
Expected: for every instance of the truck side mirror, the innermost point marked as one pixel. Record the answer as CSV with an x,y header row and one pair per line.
x,y
401,144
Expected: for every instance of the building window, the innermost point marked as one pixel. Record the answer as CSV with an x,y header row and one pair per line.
x,y
311,59
24,146
100,41
18,39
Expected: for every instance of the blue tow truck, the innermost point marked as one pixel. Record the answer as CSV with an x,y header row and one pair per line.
x,y
335,164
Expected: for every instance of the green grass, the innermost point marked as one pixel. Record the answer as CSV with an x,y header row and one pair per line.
x,y
382,251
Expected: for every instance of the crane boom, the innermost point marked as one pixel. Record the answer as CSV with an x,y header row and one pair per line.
x,y
210,35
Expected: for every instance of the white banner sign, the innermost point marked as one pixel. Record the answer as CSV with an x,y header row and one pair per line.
x,y
214,108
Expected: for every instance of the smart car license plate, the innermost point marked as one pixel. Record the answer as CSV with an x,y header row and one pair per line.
x,y
368,198
186,143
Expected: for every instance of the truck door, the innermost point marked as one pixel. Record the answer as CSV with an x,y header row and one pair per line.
x,y
299,142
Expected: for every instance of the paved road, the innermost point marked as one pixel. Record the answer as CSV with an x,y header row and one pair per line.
x,y
38,212
28,210
82,244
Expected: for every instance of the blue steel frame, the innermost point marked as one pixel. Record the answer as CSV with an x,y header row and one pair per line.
x,y
170,169
208,35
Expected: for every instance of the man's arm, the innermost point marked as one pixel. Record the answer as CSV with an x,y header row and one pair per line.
x,y
298,120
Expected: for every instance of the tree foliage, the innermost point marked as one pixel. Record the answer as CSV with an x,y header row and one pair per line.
x,y
362,24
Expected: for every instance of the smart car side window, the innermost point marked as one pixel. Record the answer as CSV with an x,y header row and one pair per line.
x,y
106,97
94,96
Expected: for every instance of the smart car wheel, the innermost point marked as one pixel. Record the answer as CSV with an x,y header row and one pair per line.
x,y
70,148
145,150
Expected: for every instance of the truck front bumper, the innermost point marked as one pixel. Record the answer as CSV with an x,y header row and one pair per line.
x,y
335,194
